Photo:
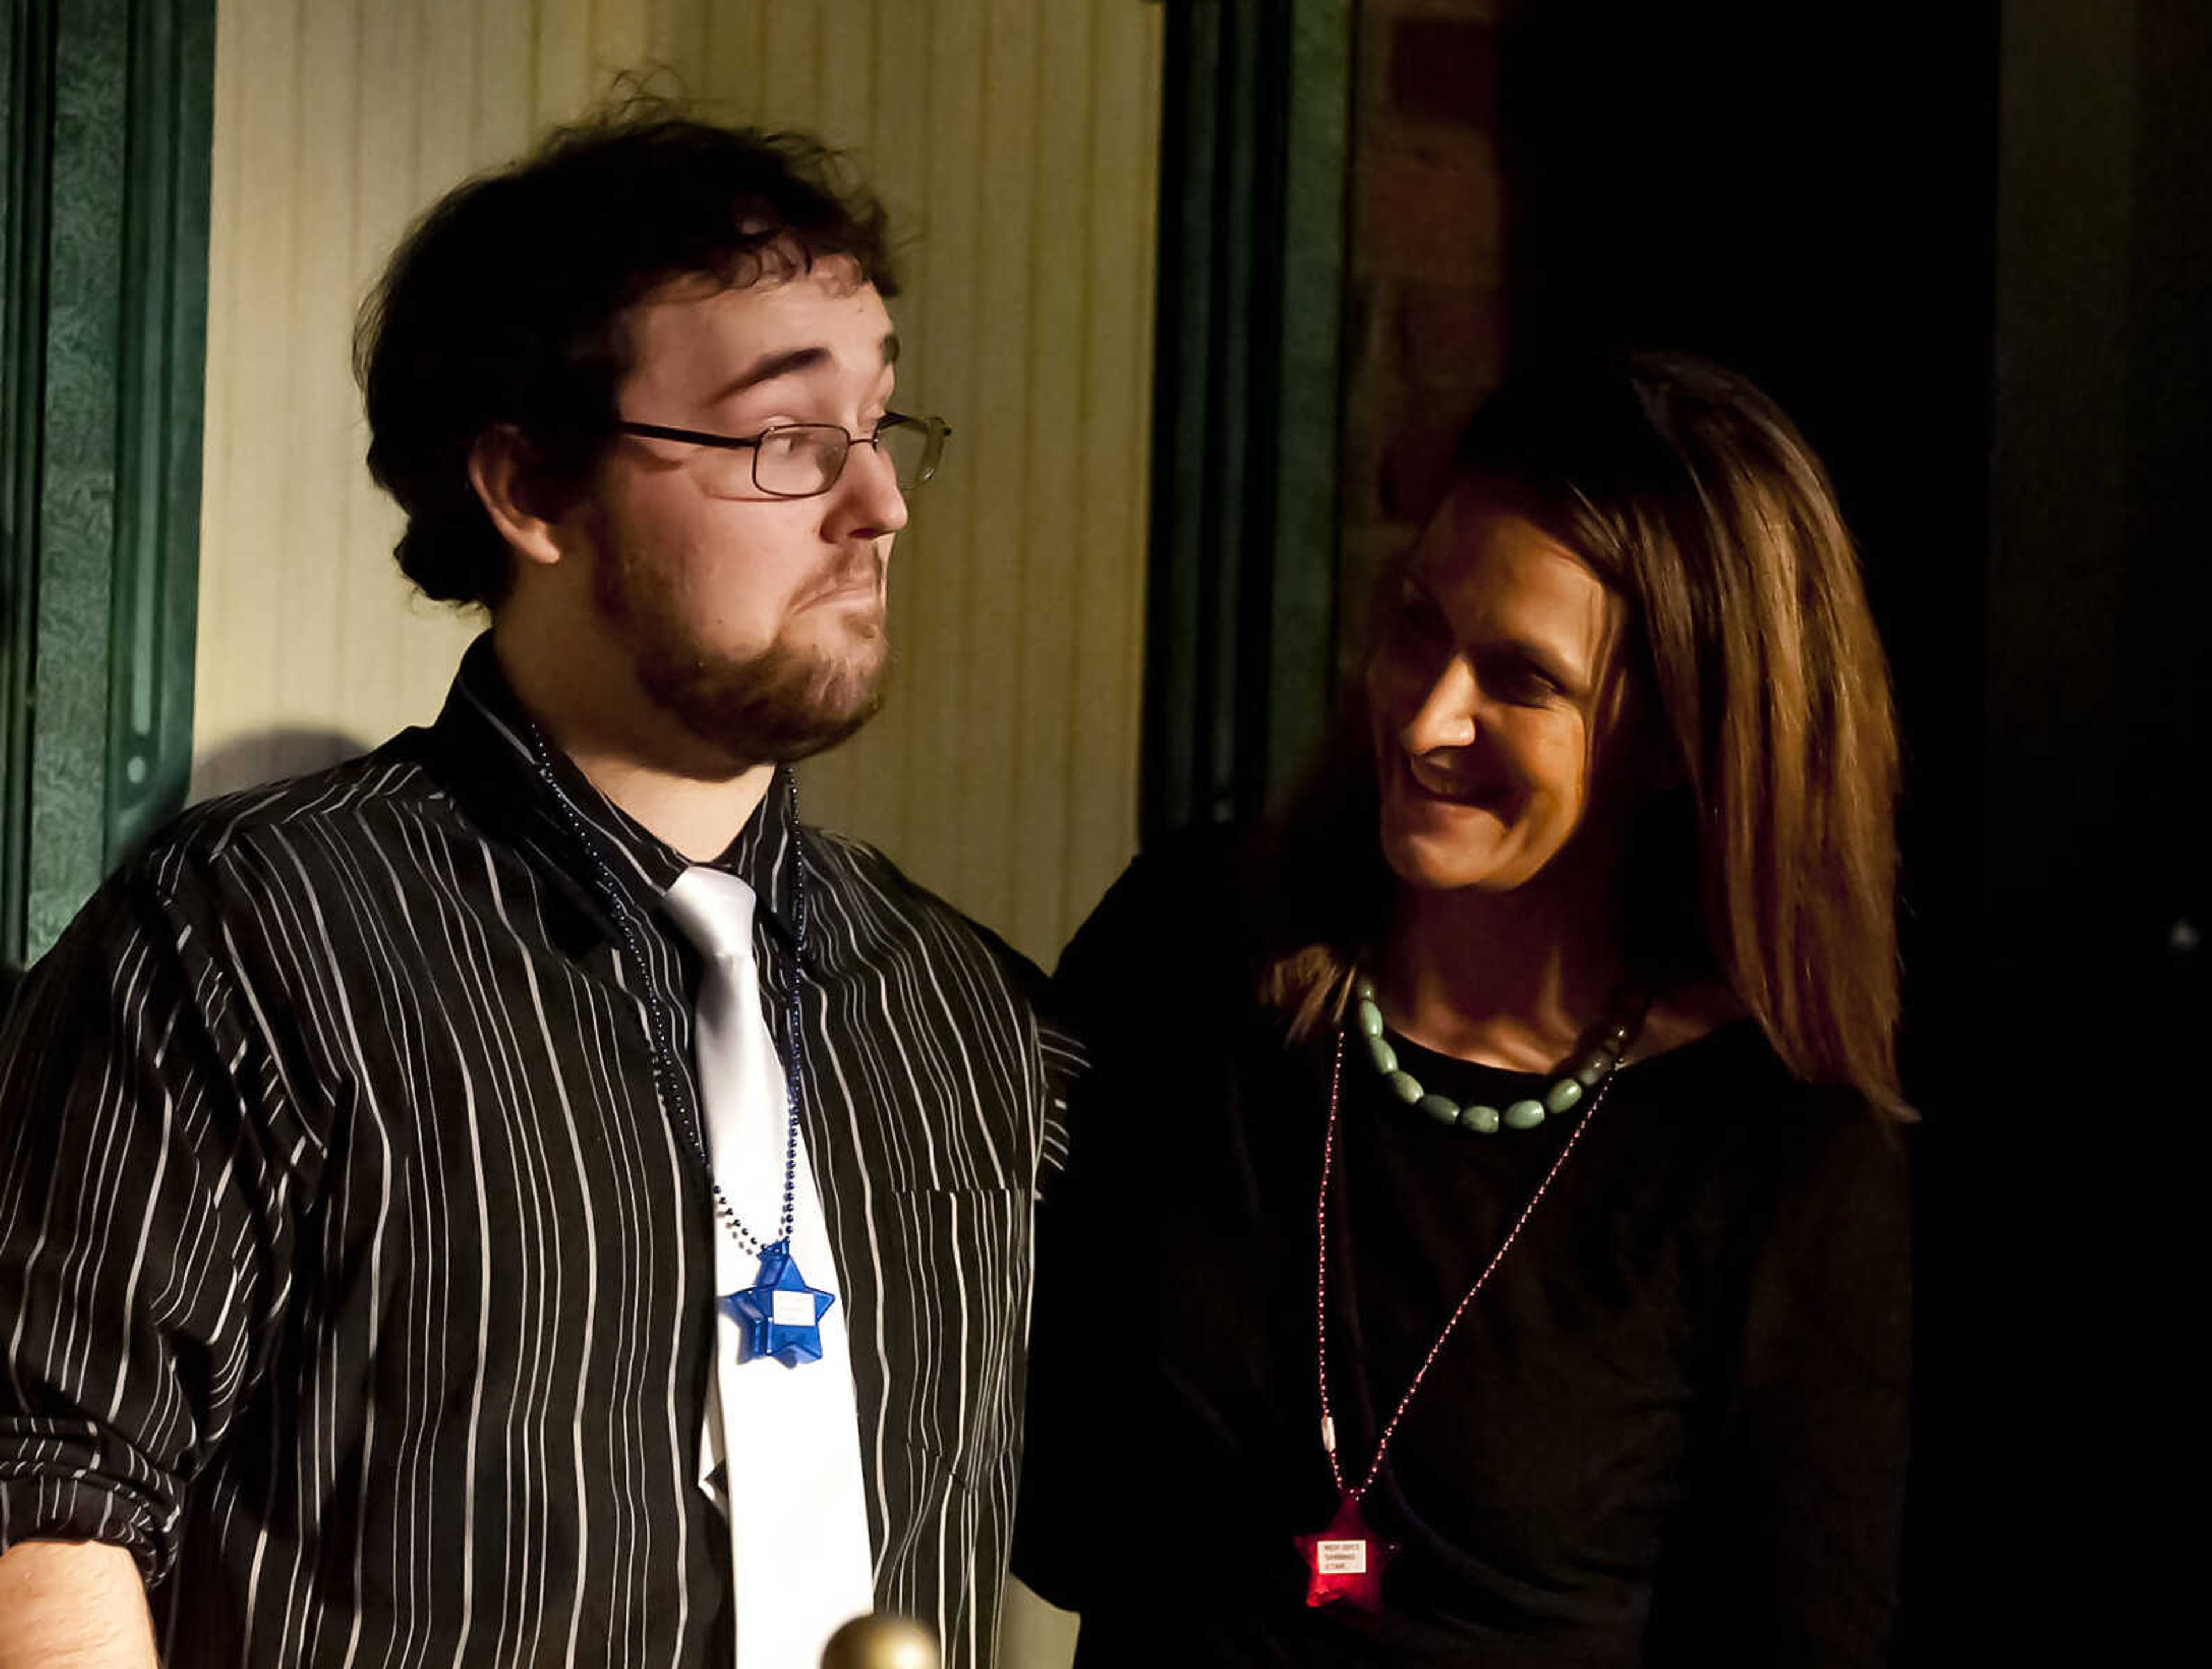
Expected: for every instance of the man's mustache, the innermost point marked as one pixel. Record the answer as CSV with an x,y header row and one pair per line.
x,y
863,567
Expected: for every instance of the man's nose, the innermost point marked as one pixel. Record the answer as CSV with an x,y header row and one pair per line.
x,y
868,495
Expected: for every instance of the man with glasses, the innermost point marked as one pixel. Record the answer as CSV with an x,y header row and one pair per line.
x,y
523,1196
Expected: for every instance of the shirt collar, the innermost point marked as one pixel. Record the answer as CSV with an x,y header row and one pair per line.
x,y
504,762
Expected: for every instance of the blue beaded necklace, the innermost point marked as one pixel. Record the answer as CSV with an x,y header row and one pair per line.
x,y
772,1311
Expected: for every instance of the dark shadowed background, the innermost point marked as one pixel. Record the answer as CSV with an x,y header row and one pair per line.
x,y
1968,247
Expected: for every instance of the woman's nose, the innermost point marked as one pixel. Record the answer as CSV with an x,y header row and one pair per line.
x,y
1445,716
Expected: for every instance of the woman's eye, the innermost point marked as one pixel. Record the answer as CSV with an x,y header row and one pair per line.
x,y
1521,681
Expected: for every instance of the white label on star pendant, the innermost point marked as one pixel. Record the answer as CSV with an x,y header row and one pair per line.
x,y
793,1309
1342,1558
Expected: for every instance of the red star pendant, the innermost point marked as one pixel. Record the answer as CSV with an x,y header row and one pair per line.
x,y
1345,1560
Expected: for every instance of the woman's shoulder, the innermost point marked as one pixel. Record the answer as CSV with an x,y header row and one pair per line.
x,y
1192,873
1177,929
1723,1103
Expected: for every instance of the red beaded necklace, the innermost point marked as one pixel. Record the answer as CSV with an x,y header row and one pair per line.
x,y
1345,1558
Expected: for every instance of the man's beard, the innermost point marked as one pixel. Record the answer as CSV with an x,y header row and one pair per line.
x,y
780,704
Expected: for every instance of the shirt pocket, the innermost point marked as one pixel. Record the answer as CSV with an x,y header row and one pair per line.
x,y
954,1346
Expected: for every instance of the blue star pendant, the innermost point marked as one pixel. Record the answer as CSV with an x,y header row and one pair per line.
x,y
780,1314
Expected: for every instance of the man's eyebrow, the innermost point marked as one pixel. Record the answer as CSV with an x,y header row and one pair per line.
x,y
788,363
768,368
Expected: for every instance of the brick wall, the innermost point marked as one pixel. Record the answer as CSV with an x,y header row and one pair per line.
x,y
1425,275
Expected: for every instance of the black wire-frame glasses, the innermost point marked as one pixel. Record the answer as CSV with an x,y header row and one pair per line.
x,y
804,460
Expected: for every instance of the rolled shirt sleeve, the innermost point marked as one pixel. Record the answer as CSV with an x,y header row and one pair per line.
x,y
149,1167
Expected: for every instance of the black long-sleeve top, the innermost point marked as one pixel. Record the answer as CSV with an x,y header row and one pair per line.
x,y
1671,1429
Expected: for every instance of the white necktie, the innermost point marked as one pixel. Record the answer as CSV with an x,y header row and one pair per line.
x,y
785,1440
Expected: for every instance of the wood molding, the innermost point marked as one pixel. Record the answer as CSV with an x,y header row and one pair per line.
x,y
107,168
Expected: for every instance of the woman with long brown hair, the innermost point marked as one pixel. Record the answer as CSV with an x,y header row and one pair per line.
x,y
1485,1236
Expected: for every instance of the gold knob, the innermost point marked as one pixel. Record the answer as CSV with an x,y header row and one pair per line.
x,y
881,1641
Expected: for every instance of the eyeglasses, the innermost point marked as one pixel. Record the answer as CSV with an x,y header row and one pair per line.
x,y
804,460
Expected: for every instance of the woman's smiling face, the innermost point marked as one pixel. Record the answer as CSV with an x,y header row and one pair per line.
x,y
1499,690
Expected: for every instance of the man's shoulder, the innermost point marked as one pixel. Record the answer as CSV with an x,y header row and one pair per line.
x,y
357,802
884,901
228,877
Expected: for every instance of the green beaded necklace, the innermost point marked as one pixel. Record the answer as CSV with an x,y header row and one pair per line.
x,y
1574,1081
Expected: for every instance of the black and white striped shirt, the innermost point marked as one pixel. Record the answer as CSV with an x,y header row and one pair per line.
x,y
352,1276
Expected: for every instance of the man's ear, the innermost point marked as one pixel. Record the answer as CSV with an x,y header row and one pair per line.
x,y
503,470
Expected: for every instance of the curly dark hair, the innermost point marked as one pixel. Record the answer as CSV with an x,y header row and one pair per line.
x,y
500,307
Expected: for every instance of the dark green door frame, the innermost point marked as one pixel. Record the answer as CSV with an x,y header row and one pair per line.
x,y
104,166
1241,608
